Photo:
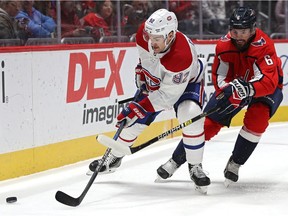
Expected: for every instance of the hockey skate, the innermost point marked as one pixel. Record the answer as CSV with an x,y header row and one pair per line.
x,y
199,178
231,172
166,170
110,164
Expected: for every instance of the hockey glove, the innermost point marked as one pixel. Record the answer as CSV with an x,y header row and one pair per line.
x,y
139,77
234,95
134,111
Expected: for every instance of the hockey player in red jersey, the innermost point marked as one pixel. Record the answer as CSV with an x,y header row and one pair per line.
x,y
246,72
172,75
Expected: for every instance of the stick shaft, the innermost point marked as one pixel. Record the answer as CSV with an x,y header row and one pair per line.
x,y
71,201
172,130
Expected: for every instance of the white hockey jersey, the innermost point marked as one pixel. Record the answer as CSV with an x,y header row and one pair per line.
x,y
168,74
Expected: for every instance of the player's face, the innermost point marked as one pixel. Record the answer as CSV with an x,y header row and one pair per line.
x,y
13,8
241,36
157,43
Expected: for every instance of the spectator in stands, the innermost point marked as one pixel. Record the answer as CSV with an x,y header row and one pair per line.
x,y
280,16
100,21
214,15
47,8
8,10
51,10
187,12
134,15
37,24
70,22
213,9
187,15
183,9
85,7
155,5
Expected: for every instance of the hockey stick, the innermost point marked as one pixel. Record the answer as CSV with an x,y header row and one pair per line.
x,y
104,140
71,201
125,100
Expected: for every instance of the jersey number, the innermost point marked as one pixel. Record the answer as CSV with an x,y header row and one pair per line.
x,y
180,78
268,60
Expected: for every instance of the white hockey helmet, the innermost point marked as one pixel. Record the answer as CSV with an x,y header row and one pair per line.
x,y
161,22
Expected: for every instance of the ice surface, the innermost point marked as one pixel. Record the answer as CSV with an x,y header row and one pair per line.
x,y
262,188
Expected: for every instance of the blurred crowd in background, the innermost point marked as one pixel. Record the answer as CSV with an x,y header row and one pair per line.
x,y
74,22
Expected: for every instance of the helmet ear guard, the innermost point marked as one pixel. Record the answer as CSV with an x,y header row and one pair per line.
x,y
145,35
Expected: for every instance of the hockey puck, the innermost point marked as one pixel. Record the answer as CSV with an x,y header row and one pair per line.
x,y
11,199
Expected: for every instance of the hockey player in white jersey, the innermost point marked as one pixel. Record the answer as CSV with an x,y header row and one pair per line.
x,y
172,77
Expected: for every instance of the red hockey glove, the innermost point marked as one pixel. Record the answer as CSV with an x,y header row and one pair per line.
x,y
135,111
233,95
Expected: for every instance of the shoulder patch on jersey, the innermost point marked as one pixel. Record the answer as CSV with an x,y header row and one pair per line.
x,y
225,38
259,42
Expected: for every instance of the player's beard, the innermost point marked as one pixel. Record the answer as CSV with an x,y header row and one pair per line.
x,y
242,46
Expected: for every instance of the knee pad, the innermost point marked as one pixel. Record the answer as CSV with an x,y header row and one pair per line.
x,y
187,110
257,118
193,135
128,137
130,134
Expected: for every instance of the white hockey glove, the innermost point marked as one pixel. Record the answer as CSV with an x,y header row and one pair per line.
x,y
139,76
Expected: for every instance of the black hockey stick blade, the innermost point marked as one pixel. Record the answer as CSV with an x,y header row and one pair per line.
x,y
68,200
71,201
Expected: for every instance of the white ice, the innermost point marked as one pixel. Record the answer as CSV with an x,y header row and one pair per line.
x,y
262,188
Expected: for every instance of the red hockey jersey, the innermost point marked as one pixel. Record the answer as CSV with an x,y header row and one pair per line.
x,y
259,64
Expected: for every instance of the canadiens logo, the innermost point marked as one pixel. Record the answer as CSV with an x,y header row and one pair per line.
x,y
258,43
152,82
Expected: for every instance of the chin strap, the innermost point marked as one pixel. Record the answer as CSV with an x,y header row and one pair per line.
x,y
167,46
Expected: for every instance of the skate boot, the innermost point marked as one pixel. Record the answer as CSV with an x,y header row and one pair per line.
x,y
167,170
199,177
231,172
110,165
